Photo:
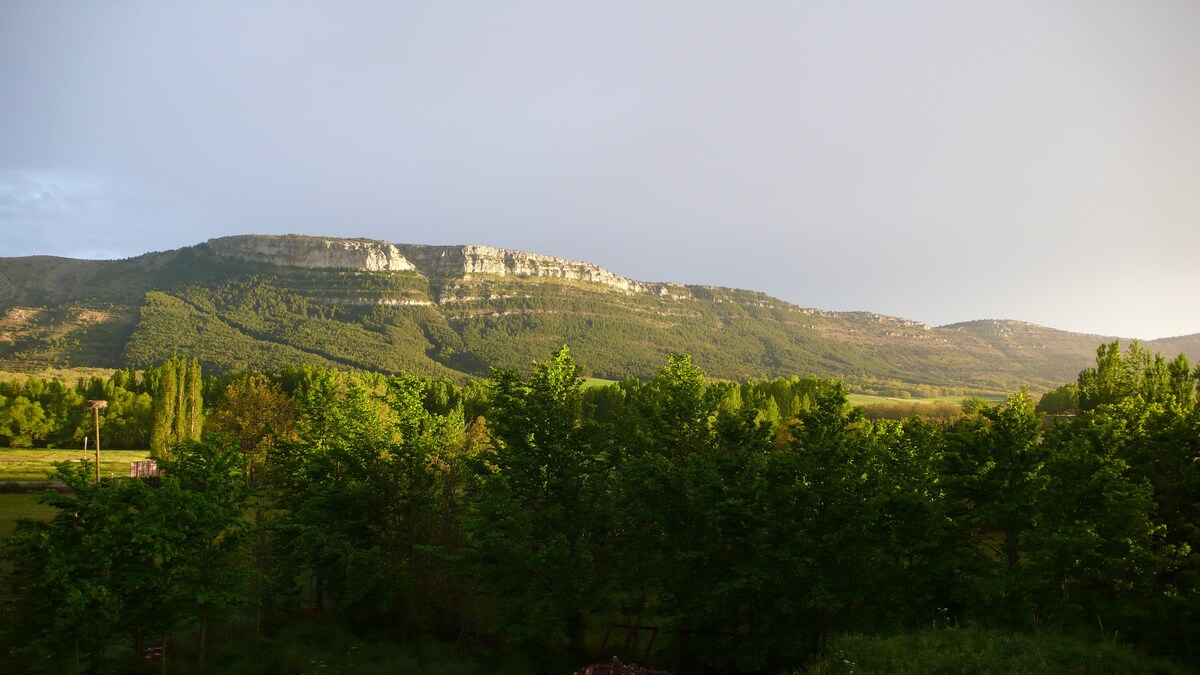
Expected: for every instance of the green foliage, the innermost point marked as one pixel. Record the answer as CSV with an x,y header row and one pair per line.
x,y
37,412
255,411
1097,550
540,504
764,523
366,490
120,557
1063,400
178,411
1117,376
22,422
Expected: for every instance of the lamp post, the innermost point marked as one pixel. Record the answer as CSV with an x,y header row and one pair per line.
x,y
96,407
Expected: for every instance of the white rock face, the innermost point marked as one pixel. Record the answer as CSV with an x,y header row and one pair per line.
x,y
475,260
357,254
442,261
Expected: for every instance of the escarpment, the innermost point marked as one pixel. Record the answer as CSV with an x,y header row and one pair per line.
x,y
465,261
313,252
475,260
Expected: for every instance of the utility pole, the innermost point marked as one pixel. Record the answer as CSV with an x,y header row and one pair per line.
x,y
96,407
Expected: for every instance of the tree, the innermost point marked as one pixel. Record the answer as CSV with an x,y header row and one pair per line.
x,y
1182,383
58,594
535,526
1096,550
165,411
178,409
993,471
1064,399
198,526
22,422
256,412
368,490
825,489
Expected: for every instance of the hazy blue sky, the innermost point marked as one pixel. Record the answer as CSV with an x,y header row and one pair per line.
x,y
940,161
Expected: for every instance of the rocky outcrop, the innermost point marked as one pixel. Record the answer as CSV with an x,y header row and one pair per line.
x,y
433,261
474,260
297,251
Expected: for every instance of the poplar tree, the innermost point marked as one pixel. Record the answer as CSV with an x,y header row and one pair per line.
x,y
179,423
195,405
163,415
178,408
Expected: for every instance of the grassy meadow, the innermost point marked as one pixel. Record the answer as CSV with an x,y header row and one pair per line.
x,y
863,400
25,464
589,382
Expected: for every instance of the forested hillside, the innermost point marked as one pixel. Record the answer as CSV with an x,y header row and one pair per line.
x,y
428,317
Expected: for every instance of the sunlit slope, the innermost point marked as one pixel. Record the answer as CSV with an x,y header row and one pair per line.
x,y
237,315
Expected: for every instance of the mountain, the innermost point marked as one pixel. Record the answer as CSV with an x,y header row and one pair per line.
x,y
267,302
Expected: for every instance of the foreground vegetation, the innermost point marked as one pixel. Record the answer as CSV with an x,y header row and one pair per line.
x,y
975,651
759,526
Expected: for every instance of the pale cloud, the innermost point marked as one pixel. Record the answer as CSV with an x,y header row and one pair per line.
x,y
47,213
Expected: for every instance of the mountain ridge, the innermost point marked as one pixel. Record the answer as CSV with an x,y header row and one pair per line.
x,y
268,301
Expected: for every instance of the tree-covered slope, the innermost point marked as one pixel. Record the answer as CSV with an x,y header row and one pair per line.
x,y
456,311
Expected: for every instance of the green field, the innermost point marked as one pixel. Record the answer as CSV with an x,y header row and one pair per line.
x,y
14,506
20,464
589,382
866,399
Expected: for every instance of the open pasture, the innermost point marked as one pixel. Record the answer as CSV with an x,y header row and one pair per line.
x,y
867,399
25,464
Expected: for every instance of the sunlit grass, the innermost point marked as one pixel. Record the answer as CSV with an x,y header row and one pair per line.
x,y
589,382
867,399
24,464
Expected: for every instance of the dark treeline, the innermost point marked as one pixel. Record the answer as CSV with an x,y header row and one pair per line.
x,y
750,522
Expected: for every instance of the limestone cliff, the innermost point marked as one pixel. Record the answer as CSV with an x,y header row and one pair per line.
x,y
298,251
466,261
474,260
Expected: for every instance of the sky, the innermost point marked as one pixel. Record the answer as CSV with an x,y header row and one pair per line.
x,y
940,161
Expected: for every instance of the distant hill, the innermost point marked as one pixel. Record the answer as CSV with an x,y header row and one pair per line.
x,y
266,302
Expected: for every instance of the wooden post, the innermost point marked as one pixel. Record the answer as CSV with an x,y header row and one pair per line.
x,y
96,407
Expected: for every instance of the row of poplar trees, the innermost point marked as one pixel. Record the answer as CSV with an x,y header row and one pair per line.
x,y
177,414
